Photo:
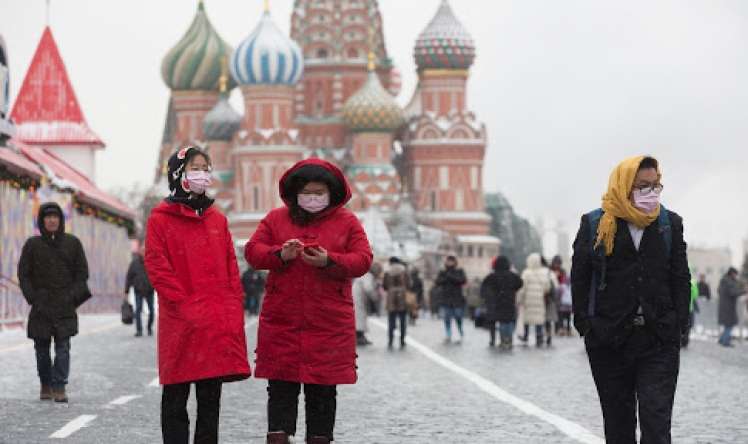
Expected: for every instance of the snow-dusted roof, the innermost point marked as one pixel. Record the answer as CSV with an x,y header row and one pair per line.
x,y
477,239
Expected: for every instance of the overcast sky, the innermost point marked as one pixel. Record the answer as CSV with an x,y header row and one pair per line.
x,y
566,89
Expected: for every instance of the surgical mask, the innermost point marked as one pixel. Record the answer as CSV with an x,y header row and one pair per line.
x,y
647,202
313,203
198,181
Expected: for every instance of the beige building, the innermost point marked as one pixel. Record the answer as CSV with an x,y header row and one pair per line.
x,y
711,262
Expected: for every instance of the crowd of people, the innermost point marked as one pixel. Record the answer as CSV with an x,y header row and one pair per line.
x,y
312,279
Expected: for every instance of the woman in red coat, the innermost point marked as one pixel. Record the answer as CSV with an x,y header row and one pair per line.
x,y
313,247
190,260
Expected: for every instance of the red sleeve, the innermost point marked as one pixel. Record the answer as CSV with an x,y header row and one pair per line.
x,y
157,264
261,251
356,260
233,271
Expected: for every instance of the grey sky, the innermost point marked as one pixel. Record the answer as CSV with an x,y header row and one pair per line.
x,y
566,89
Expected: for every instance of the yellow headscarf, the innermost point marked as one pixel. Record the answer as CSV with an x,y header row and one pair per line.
x,y
616,203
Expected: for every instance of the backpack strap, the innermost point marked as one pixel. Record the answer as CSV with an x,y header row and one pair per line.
x,y
666,229
598,282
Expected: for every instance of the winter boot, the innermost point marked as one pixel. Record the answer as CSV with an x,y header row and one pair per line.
x,y
548,341
360,339
539,341
318,440
277,438
45,394
60,395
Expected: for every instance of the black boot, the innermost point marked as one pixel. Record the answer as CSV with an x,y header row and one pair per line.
x,y
277,438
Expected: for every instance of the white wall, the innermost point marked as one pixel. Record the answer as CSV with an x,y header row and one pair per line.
x,y
82,158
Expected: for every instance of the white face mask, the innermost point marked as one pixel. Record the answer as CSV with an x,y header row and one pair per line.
x,y
198,181
647,202
313,203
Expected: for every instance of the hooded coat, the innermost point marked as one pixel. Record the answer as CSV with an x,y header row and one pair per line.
x,y
53,275
729,291
449,283
191,263
536,283
499,292
396,282
307,327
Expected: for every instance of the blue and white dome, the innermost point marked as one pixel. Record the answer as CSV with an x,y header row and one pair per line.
x,y
267,57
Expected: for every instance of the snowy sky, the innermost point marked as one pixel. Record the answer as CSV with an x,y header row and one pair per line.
x,y
565,88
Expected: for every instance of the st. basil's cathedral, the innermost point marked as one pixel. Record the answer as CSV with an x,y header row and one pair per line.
x,y
329,91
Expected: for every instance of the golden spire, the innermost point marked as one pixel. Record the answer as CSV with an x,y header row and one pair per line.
x,y
224,79
372,64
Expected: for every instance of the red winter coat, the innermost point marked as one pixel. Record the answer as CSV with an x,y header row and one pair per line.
x,y
191,263
307,330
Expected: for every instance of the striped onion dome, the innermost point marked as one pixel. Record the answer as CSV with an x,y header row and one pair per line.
x,y
445,43
195,62
267,57
372,108
222,121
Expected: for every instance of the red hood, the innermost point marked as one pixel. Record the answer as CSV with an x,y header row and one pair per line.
x,y
324,164
178,209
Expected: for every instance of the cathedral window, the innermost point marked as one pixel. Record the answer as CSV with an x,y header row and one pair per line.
x,y
433,201
321,53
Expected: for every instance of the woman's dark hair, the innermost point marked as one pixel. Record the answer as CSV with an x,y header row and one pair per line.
x,y
196,151
649,162
296,182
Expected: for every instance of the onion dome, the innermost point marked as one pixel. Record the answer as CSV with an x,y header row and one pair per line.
x,y
445,43
372,108
267,57
195,62
222,121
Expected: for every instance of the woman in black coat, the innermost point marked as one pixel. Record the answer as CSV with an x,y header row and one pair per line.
x,y
499,293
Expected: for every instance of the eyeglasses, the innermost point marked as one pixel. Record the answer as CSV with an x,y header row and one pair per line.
x,y
648,188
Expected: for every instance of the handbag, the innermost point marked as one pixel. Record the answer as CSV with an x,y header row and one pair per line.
x,y
127,313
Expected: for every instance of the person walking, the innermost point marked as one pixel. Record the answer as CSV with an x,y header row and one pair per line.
x,y
536,283
705,290
630,289
551,298
730,289
53,276
416,286
450,281
396,282
190,260
499,294
563,296
363,290
137,279
313,247
253,283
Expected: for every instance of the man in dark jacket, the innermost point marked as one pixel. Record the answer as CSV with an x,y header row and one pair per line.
x,y
730,289
253,284
53,274
450,282
704,289
137,279
631,293
499,293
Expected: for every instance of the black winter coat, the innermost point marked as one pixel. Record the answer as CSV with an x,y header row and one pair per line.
x,y
645,277
53,274
138,278
499,292
450,282
729,290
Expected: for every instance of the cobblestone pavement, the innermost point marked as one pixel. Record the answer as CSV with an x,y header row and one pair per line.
x,y
428,393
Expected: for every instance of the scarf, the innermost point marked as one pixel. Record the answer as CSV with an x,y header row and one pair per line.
x,y
617,205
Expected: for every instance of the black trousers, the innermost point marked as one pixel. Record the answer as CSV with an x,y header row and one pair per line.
x,y
175,423
319,402
643,372
392,318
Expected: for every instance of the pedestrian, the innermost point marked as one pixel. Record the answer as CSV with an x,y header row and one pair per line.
x,y
363,289
189,256
536,283
499,294
313,247
396,283
551,298
137,279
730,289
416,286
53,276
630,285
705,290
565,302
450,281
693,308
253,283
